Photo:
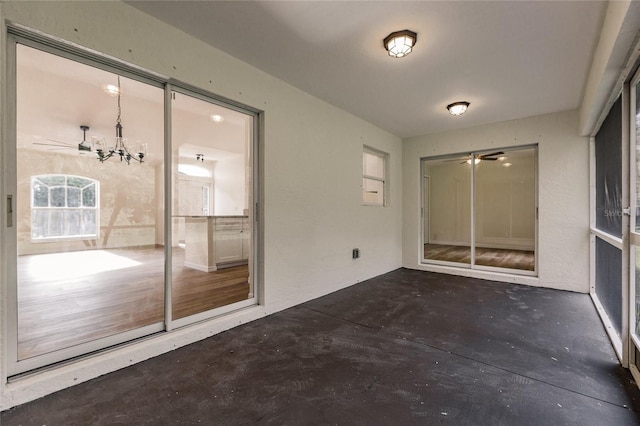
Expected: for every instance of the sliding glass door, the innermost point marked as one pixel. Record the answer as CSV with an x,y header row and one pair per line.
x,y
479,210
90,263
132,206
211,206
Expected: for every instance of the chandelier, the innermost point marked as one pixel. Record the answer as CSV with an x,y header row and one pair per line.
x,y
120,147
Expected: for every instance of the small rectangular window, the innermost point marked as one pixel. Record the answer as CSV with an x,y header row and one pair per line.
x,y
374,177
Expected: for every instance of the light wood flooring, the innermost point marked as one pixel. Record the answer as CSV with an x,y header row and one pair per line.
x,y
501,258
65,299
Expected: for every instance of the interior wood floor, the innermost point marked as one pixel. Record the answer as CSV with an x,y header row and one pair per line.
x,y
501,258
65,299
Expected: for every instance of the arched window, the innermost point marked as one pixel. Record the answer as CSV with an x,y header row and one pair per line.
x,y
64,206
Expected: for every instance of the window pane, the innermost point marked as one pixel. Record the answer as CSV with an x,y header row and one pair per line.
x,y
73,197
40,195
39,223
73,225
58,197
77,182
56,223
373,165
89,196
373,191
89,222
53,180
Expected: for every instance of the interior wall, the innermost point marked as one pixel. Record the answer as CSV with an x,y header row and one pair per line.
x,y
311,212
450,203
563,195
229,183
127,211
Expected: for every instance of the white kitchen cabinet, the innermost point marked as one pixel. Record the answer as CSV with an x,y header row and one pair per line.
x,y
231,240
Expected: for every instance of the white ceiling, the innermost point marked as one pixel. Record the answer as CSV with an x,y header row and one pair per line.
x,y
510,59
56,96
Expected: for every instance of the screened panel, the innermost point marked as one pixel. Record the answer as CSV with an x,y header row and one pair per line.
x,y
609,281
608,147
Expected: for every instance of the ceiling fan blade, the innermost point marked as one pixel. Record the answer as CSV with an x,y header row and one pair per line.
x,y
491,155
53,144
60,142
488,159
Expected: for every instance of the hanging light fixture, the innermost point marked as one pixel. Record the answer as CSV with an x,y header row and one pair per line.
x,y
458,108
120,147
400,43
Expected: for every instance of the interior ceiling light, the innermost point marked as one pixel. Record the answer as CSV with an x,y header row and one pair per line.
x,y
400,43
507,164
458,108
217,118
120,144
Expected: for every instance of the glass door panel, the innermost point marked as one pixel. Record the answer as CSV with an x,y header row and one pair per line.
x,y
211,206
90,262
505,209
447,209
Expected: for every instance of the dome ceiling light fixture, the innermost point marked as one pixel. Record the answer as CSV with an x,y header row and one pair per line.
x,y
458,108
400,43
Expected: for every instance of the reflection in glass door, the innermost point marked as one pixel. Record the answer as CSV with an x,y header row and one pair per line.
x,y
447,210
90,262
211,207
505,221
497,189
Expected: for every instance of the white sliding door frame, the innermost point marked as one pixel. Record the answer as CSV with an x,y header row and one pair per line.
x,y
15,367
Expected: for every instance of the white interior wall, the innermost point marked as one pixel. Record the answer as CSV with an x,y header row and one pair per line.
x,y
229,184
563,193
312,175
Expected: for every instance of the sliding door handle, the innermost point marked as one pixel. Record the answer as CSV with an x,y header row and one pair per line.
x,y
9,211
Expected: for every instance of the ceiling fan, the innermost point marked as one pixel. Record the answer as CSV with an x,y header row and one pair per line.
x,y
82,147
480,157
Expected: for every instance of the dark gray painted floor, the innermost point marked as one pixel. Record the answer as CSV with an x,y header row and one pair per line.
x,y
405,348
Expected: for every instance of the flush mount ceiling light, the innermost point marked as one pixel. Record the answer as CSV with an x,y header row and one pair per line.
x,y
400,43
217,118
458,108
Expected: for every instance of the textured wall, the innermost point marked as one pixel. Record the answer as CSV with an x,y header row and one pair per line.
x,y
563,193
